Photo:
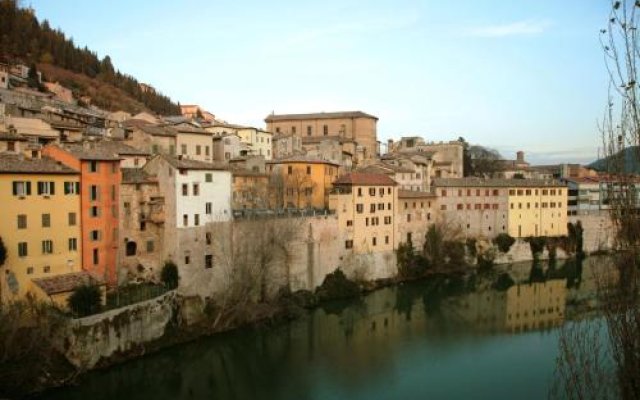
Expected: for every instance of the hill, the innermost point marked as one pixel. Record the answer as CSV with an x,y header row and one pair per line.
x,y
630,155
24,39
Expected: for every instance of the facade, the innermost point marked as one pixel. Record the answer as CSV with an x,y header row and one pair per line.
x,y
302,182
447,157
250,190
406,178
100,180
286,145
335,149
12,143
228,147
197,198
150,138
366,208
518,207
258,141
354,125
415,212
141,225
40,223
194,143
584,196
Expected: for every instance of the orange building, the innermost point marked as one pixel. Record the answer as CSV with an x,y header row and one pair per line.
x,y
100,179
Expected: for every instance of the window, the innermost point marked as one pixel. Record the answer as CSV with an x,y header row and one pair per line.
x,y
207,237
196,189
359,192
293,129
113,192
21,188
72,219
374,241
444,193
207,208
208,177
206,150
349,222
29,270
183,149
185,189
11,146
93,166
196,219
96,256
308,170
198,150
359,208
73,244
408,217
372,208
46,188
94,193
94,235
289,170
386,239
46,269
208,261
185,220
47,247
348,244
46,220
187,260
23,249
325,130
22,221
72,188
94,211
308,130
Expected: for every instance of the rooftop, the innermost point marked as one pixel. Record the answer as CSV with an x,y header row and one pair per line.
x,y
321,115
17,164
91,151
136,175
193,164
494,182
411,194
66,282
364,179
301,159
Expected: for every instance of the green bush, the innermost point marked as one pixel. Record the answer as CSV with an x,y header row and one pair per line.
x,y
336,285
504,241
85,300
169,275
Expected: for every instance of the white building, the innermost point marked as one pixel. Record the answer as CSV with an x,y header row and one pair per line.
x,y
197,206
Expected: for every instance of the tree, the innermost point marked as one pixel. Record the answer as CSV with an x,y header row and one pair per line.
x,y
169,275
3,253
85,300
584,367
482,161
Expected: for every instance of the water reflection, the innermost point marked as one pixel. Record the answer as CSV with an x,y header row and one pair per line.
x,y
359,349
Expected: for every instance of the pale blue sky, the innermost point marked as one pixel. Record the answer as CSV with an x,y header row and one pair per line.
x,y
507,74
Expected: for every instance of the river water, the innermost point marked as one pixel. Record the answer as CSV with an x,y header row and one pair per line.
x,y
446,337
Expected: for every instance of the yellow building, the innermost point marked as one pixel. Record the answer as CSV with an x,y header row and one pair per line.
x,y
302,181
259,141
39,223
366,209
488,207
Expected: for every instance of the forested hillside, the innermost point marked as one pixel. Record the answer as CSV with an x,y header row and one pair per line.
x,y
23,38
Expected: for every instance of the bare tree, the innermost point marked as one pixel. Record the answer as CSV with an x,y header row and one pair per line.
x,y
582,365
300,187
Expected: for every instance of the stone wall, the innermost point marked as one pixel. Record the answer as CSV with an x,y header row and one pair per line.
x,y
88,340
599,232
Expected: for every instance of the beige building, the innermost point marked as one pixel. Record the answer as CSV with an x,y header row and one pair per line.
x,y
519,207
332,148
406,178
366,208
258,141
415,212
154,139
447,156
420,164
286,145
228,147
354,125
194,143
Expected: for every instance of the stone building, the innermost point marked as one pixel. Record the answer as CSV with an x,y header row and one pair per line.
x,y
415,212
349,125
151,138
519,207
258,141
286,145
448,157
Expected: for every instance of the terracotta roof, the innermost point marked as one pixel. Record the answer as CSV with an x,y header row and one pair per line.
x,y
193,164
136,175
322,115
364,179
301,159
94,151
479,182
66,282
17,164
411,194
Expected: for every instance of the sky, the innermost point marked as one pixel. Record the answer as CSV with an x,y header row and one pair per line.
x,y
512,75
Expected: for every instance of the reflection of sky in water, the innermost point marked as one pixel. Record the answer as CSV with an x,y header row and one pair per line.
x,y
417,340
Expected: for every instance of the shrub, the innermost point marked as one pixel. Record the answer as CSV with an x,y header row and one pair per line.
x,y
536,243
336,285
169,275
471,247
504,241
410,264
454,253
85,300
504,282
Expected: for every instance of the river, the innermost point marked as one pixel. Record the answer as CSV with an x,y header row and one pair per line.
x,y
447,337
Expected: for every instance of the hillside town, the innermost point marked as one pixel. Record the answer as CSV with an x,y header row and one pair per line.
x,y
108,198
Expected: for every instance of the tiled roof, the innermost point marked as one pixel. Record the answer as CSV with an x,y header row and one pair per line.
x,y
479,182
136,175
301,159
66,282
411,194
149,128
322,115
193,164
123,149
91,151
17,164
365,179
192,130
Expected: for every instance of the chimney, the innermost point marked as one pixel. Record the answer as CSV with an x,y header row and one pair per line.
x,y
520,156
